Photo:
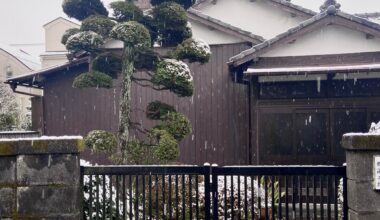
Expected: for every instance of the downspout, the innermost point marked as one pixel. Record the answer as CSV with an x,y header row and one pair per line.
x,y
250,152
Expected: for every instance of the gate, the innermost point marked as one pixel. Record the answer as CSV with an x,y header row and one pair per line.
x,y
211,192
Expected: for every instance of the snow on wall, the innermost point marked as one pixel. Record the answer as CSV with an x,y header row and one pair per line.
x,y
332,39
259,17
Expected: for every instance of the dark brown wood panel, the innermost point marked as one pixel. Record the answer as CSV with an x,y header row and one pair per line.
x,y
218,110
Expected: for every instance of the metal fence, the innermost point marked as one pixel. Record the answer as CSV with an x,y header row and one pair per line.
x,y
211,192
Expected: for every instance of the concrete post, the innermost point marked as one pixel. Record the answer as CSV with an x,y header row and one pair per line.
x,y
40,178
363,199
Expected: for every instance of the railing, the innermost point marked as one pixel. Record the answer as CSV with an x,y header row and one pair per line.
x,y
193,192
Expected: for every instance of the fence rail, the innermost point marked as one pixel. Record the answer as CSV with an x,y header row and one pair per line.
x,y
211,192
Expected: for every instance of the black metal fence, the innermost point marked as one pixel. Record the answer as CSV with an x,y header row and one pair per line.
x,y
193,192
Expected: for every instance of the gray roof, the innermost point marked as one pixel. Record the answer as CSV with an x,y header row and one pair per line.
x,y
31,62
249,54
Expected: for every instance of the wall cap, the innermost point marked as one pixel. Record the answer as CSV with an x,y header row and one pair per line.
x,y
41,145
361,141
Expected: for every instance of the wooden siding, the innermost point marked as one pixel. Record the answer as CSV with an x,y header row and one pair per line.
x,y
218,110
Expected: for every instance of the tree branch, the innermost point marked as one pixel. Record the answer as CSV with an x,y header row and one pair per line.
x,y
150,86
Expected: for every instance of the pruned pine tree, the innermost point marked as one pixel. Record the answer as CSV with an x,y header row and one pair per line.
x,y
165,25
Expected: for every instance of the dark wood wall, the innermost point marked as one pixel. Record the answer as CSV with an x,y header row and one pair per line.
x,y
218,110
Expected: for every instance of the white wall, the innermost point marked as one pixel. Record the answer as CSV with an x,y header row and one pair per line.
x,y
54,32
55,51
332,39
212,36
259,17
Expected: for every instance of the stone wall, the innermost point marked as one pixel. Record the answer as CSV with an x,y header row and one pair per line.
x,y
40,178
363,200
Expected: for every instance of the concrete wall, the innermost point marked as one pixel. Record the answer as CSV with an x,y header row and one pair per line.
x,y
40,179
363,200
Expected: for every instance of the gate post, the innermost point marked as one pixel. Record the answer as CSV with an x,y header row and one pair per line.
x,y
39,178
363,197
207,172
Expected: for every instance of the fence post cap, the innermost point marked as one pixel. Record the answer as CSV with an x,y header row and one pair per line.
x,y
361,141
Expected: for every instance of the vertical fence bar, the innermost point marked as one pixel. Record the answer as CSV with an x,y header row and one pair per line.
x,y
294,196
124,199
300,196
225,197
143,196
130,197
163,198
91,202
245,198
156,188
328,198
286,198
176,197
314,197
137,198
259,197
117,198
150,197
110,201
266,197
307,198
321,196
345,204
197,196
190,198
279,198
104,197
183,197
252,198
336,185
232,202
214,190
170,197
239,197
207,191
273,192
97,197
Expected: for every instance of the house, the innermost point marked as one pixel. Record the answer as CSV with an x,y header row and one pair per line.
x,y
55,52
279,90
15,62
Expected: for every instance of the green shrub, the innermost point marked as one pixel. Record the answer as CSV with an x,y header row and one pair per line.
x,y
166,150
68,33
193,50
92,79
184,3
81,9
101,141
176,124
158,110
87,40
175,76
109,64
98,24
126,11
132,34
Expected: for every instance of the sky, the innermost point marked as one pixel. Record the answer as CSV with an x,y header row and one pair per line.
x,y
21,21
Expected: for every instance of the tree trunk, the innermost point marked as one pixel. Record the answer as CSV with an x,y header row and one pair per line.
x,y
125,103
